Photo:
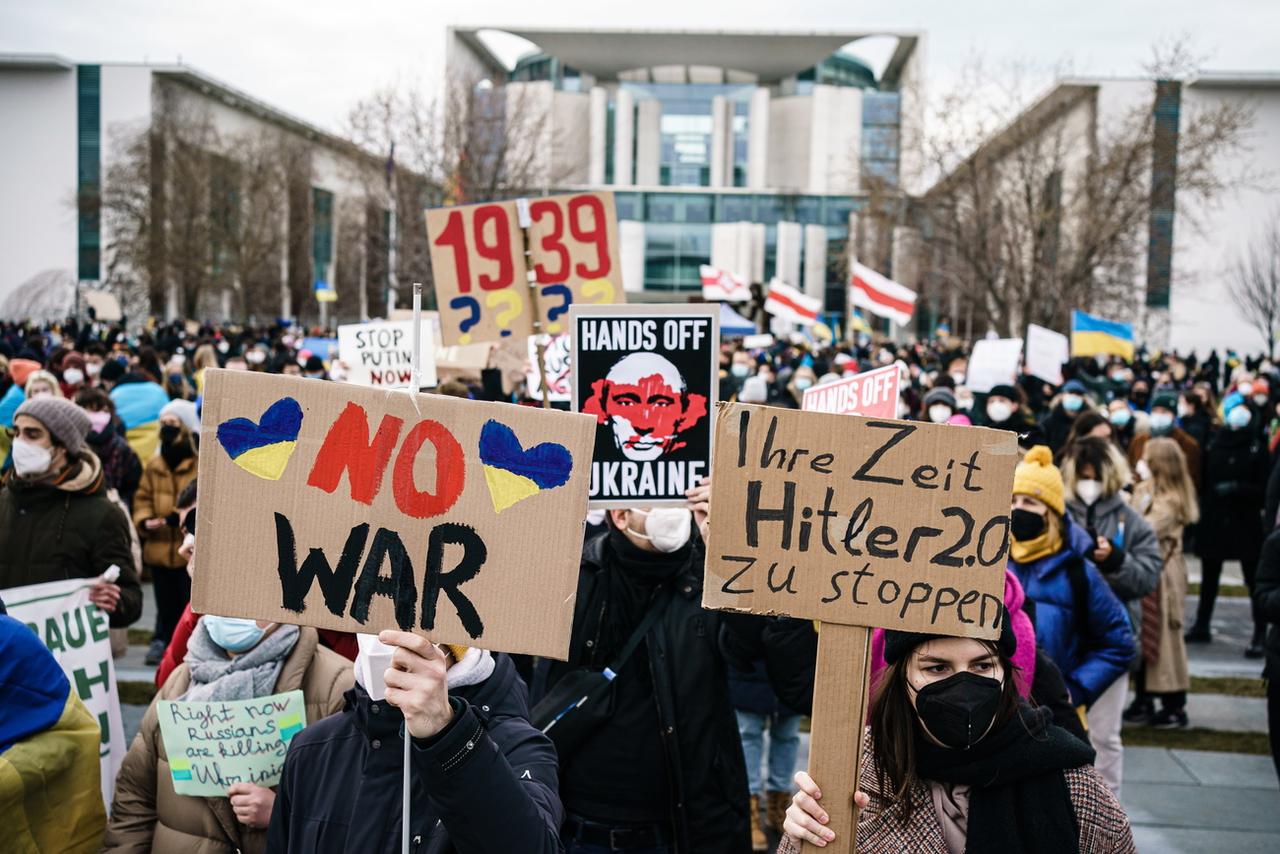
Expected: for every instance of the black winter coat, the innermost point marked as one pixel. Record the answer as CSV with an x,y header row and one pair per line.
x,y
1236,468
1056,427
485,785
703,753
73,530
1266,600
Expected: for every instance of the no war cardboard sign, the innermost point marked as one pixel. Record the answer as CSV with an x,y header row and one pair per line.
x,y
357,509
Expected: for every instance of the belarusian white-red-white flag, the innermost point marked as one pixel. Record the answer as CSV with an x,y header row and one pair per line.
x,y
789,303
881,296
723,286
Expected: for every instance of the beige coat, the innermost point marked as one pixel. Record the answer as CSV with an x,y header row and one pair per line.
x,y
1169,673
157,497
147,814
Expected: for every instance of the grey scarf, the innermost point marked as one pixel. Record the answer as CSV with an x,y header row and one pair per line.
x,y
215,676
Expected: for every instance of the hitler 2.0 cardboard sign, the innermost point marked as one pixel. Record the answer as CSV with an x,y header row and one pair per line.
x,y
355,509
212,745
649,376
860,521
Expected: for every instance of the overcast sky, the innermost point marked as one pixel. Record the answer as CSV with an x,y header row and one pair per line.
x,y
314,59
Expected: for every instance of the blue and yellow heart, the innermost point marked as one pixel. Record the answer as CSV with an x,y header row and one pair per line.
x,y
513,473
263,449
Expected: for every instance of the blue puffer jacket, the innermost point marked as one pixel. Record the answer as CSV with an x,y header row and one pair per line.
x,y
1089,665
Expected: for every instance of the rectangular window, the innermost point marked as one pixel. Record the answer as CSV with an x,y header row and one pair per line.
x,y
881,137
321,235
88,169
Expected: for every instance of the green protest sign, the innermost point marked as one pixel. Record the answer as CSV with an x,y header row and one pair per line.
x,y
213,745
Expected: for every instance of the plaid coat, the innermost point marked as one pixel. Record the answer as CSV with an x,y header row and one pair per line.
x,y
1104,828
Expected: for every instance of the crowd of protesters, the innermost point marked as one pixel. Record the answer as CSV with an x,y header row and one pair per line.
x,y
1126,465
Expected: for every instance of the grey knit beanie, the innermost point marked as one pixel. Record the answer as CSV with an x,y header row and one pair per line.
x,y
67,423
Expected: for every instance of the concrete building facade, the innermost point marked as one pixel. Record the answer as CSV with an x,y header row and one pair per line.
x,y
73,121
753,152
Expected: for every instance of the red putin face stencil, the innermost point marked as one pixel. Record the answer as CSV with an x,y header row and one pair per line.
x,y
644,401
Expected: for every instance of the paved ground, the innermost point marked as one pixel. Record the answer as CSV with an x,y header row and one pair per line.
x,y
1177,800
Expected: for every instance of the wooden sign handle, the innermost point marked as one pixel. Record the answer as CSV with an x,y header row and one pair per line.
x,y
835,737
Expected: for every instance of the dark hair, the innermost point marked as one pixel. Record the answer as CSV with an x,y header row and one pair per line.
x,y
895,725
188,495
89,397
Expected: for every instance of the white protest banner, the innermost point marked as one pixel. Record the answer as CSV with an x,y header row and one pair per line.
x,y
993,362
558,360
381,354
1047,352
872,393
212,745
759,341
75,631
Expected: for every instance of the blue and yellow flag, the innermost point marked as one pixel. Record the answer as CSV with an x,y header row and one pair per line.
x,y
1093,335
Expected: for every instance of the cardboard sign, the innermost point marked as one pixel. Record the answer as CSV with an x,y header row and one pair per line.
x,y
557,357
648,375
356,509
860,521
1047,352
993,362
75,631
212,745
872,393
381,354
478,261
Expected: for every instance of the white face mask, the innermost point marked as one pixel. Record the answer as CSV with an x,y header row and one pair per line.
x,y
30,460
939,413
1144,470
904,411
73,376
668,528
255,357
93,369
803,383
999,412
1089,491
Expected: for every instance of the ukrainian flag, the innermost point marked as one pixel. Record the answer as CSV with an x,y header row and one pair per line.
x,y
1093,335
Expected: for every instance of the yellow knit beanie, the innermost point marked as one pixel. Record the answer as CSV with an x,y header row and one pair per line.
x,y
1038,477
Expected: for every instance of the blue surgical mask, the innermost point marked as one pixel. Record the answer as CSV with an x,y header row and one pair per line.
x,y
1121,417
1161,422
1239,418
1072,402
233,634
740,371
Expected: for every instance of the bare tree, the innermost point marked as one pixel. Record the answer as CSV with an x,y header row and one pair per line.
x,y
474,143
1048,210
1254,283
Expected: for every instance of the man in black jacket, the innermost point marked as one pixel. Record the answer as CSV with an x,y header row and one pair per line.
x,y
665,773
482,779
56,520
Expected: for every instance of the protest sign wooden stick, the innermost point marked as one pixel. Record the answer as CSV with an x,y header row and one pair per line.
x,y
839,715
526,222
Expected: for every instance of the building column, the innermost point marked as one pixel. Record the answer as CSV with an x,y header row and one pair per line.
x,y
631,254
721,153
648,142
906,260
787,253
598,133
815,262
758,139
623,138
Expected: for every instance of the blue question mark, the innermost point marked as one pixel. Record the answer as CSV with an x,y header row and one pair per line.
x,y
552,313
459,303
